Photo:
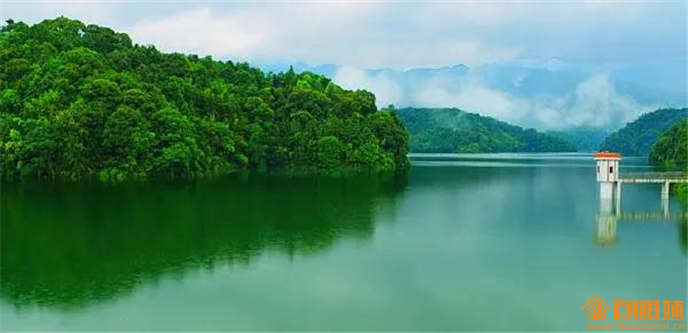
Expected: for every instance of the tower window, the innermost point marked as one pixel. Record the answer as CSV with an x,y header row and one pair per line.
x,y
611,169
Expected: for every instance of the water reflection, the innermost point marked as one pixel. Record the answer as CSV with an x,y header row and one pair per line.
x,y
610,215
65,246
606,224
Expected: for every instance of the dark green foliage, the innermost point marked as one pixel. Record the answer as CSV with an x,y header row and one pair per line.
x,y
82,101
681,191
670,152
671,149
638,136
448,130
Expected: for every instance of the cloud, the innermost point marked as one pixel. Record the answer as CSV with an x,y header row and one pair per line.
x,y
200,33
386,90
471,96
591,101
388,34
267,31
362,34
596,102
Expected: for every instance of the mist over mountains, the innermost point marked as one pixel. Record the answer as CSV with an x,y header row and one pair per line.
x,y
548,94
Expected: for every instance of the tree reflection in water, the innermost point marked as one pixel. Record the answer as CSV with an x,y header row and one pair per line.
x,y
67,245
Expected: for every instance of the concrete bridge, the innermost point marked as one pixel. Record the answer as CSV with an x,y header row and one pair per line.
x,y
653,177
664,178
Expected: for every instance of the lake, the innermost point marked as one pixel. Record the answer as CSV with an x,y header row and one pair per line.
x,y
486,242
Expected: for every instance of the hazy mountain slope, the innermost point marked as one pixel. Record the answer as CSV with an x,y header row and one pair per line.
x,y
583,138
449,130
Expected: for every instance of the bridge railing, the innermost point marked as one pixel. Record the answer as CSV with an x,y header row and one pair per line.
x,y
654,175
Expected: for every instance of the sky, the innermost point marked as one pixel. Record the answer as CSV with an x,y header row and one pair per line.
x,y
361,35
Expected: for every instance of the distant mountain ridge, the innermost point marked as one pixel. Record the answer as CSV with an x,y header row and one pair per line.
x,y
638,136
451,130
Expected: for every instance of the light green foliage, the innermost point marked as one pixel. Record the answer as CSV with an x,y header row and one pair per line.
x,y
80,101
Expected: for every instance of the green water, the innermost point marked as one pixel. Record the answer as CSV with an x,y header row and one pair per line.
x,y
462,243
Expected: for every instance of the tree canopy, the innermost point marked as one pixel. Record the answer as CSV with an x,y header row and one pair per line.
x,y
80,101
449,130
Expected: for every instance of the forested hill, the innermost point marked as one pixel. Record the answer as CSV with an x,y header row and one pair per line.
x,y
638,136
80,101
449,130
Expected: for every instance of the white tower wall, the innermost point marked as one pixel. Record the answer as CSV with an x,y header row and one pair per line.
x,y
606,191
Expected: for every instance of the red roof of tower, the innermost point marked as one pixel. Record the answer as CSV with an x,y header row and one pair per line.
x,y
606,154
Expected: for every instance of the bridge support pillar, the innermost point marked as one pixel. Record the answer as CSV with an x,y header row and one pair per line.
x,y
665,191
618,198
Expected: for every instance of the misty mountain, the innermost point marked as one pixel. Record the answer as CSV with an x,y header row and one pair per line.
x,y
585,139
541,93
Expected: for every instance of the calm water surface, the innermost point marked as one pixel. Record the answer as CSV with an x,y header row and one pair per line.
x,y
462,243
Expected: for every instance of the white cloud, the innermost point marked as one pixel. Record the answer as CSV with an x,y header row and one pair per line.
x,y
199,32
472,96
386,90
596,102
388,34
593,101
348,33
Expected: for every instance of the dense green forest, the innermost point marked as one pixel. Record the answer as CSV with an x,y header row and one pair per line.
x,y
80,101
449,130
638,136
